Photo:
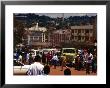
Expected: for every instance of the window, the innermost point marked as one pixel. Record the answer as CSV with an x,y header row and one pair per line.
x,y
82,37
90,31
79,31
87,38
72,31
75,37
72,37
79,37
87,31
68,51
75,31
82,31
91,38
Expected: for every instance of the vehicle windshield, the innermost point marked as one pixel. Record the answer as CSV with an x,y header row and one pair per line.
x,y
68,51
45,50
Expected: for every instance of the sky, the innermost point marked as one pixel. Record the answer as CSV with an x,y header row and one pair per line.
x,y
54,15
67,14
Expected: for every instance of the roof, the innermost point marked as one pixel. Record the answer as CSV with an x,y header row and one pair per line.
x,y
82,27
68,48
62,31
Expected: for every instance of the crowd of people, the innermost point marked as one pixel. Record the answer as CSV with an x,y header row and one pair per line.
x,y
86,59
41,63
37,68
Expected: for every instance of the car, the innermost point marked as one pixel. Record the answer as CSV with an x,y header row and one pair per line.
x,y
70,54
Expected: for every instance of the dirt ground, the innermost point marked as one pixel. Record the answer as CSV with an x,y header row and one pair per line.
x,y
56,71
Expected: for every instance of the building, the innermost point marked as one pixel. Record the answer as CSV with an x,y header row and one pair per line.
x,y
36,36
83,34
59,37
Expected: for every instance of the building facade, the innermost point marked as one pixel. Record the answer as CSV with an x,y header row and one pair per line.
x,y
58,37
36,36
76,35
83,34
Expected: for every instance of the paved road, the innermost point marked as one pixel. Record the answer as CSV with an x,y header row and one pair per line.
x,y
53,71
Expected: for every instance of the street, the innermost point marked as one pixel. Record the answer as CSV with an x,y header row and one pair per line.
x,y
57,71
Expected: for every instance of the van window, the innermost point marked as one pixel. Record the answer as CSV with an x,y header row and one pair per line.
x,y
68,51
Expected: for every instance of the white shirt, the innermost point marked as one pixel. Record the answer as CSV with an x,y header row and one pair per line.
x,y
79,51
20,57
55,58
90,56
36,69
27,56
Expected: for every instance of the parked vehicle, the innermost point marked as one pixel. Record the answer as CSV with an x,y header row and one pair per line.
x,y
70,54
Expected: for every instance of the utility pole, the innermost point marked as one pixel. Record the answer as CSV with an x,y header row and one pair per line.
x,y
62,20
63,16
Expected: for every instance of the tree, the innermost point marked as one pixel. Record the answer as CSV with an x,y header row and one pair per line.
x,y
18,31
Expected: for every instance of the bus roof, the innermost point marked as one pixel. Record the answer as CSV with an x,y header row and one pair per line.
x,y
68,48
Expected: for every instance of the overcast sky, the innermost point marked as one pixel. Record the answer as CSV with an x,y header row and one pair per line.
x,y
54,15
67,14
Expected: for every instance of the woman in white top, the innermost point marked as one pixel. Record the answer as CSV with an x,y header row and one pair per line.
x,y
55,60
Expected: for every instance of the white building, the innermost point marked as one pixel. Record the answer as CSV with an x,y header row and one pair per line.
x,y
36,35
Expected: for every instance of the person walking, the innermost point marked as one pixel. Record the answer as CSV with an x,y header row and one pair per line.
x,y
49,57
43,58
27,57
94,64
54,60
31,60
85,58
36,68
20,58
67,71
77,62
88,63
46,69
63,62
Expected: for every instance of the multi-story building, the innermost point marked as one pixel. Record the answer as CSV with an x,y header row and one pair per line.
x,y
36,36
58,37
83,33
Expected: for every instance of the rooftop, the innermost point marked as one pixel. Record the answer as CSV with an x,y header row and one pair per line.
x,y
82,27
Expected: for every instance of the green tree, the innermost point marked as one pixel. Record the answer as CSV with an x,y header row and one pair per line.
x,y
18,31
